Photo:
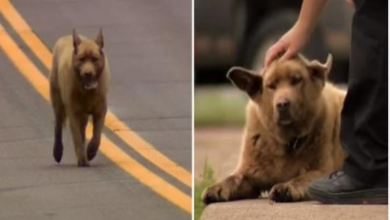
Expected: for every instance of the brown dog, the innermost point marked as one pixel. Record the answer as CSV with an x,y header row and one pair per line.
x,y
291,135
78,86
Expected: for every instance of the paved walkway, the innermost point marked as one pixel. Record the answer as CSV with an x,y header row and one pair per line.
x,y
222,148
263,210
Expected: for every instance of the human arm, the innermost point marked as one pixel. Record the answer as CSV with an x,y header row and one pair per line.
x,y
297,37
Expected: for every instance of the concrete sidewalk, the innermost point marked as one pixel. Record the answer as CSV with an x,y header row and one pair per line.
x,y
221,147
264,210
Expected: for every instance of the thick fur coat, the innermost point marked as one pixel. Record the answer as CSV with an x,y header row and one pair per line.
x,y
291,136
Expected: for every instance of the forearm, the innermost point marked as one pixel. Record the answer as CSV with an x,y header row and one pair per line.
x,y
310,13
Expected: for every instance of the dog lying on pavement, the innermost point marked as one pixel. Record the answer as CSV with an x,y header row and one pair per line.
x,y
291,136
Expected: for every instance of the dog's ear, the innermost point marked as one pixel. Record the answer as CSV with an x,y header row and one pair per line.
x,y
317,69
76,41
246,80
99,39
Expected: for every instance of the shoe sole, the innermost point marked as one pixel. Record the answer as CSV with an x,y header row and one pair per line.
x,y
369,196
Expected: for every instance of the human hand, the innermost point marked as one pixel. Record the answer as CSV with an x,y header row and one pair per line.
x,y
288,45
351,3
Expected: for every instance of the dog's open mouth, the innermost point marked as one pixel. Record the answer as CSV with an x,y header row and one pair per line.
x,y
89,81
285,122
90,85
285,118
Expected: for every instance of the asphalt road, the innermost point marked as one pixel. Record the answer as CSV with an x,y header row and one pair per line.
x,y
149,47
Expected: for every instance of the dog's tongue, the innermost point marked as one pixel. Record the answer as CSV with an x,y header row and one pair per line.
x,y
285,119
285,122
91,85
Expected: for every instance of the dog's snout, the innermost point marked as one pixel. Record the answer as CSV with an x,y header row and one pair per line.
x,y
283,104
88,75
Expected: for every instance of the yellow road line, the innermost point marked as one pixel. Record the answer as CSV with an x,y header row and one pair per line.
x,y
124,132
108,148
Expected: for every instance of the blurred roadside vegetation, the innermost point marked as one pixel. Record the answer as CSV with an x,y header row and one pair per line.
x,y
219,106
206,180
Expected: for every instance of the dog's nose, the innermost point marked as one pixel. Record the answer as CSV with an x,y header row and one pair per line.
x,y
88,75
283,104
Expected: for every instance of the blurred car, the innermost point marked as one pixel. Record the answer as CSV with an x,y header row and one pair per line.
x,y
238,32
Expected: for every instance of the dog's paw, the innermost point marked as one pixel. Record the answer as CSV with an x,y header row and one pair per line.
x,y
83,163
226,190
93,147
216,193
57,151
284,192
280,193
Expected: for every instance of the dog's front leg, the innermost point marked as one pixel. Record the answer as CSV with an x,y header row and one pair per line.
x,y
246,182
295,189
98,124
235,187
75,121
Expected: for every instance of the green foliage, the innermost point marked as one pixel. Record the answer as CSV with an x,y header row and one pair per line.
x,y
207,180
219,106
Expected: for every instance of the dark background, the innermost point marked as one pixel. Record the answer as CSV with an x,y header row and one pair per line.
x,y
238,32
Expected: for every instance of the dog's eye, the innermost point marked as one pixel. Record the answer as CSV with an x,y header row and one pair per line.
x,y
271,86
82,59
94,59
296,80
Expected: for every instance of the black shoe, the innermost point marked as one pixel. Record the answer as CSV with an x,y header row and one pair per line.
x,y
339,188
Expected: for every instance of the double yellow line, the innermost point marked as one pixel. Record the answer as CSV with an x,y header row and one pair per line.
x,y
111,150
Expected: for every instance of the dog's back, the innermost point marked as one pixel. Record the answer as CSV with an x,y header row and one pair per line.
x,y
334,97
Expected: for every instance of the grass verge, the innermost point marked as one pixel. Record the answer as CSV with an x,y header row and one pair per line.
x,y
207,180
219,106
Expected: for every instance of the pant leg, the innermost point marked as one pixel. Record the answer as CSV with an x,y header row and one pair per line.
x,y
364,123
